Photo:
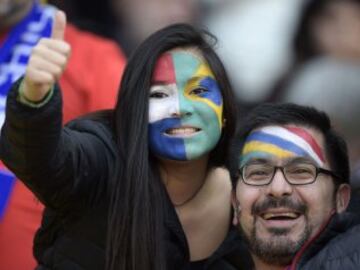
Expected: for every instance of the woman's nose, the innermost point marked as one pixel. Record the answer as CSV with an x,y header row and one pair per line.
x,y
183,109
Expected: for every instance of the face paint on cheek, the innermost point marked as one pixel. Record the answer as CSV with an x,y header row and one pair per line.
x,y
281,142
161,143
201,99
165,146
212,97
162,111
208,116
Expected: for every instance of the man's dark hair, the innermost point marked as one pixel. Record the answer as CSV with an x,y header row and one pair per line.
x,y
292,114
137,205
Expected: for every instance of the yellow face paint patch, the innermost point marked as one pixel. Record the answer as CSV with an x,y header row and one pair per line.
x,y
271,149
204,79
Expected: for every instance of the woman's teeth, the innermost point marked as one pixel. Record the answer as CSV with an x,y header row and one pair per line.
x,y
182,131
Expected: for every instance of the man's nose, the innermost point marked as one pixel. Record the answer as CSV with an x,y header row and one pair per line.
x,y
279,186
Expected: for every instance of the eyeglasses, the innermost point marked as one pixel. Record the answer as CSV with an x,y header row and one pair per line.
x,y
294,173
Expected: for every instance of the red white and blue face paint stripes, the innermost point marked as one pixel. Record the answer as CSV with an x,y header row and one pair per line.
x,y
282,142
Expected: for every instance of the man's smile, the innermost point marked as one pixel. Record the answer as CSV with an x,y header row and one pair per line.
x,y
280,214
280,217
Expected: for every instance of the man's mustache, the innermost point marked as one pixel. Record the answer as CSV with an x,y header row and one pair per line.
x,y
272,203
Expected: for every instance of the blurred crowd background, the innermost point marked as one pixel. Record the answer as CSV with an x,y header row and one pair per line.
x,y
302,51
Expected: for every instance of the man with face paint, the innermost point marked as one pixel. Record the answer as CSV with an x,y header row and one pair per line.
x,y
290,172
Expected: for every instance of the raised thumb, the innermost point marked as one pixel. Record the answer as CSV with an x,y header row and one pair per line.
x,y
59,24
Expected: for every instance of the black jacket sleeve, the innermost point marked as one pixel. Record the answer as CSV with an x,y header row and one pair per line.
x,y
64,167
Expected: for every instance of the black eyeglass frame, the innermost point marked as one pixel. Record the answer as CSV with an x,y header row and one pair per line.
x,y
281,168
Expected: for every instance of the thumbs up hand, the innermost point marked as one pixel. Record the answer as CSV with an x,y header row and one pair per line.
x,y
47,61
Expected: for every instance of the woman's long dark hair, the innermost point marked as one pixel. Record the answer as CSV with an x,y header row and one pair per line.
x,y
136,214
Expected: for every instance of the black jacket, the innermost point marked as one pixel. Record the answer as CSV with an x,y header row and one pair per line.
x,y
73,187
336,247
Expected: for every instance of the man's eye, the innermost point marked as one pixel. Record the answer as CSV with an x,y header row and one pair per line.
x,y
198,91
301,170
257,173
158,95
260,173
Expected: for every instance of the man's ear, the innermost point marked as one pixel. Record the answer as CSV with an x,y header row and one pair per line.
x,y
236,206
343,197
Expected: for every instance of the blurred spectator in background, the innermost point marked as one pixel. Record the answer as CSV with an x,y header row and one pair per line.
x,y
327,29
326,70
129,22
90,82
137,19
254,42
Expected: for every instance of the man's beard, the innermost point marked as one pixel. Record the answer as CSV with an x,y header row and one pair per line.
x,y
279,250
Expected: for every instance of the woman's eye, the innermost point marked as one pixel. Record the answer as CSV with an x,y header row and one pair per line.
x,y
198,91
158,95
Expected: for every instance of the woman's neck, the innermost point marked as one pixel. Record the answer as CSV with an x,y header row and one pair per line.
x,y
183,179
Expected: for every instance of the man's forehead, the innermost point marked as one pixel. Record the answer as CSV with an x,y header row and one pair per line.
x,y
284,143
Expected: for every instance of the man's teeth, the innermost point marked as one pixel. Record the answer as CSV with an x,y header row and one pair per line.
x,y
285,215
181,131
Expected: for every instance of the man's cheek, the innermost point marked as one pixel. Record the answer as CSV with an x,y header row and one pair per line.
x,y
247,224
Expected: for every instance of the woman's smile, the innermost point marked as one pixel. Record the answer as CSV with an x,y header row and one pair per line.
x,y
184,131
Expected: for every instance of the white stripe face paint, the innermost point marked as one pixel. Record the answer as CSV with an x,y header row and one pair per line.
x,y
287,135
164,107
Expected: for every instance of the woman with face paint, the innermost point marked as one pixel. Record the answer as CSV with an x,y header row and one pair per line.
x,y
138,187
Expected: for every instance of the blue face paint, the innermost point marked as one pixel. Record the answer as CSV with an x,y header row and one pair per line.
x,y
214,93
165,146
